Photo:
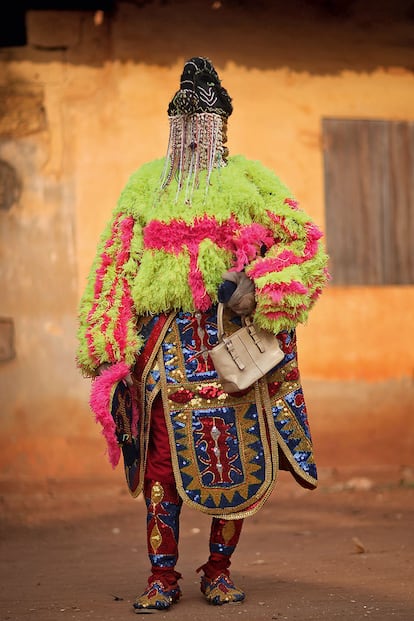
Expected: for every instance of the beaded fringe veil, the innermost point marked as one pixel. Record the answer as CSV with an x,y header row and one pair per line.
x,y
196,143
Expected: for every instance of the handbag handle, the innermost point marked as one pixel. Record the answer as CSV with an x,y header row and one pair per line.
x,y
220,322
247,321
220,325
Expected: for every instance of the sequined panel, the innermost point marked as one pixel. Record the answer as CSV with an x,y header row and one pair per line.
x,y
162,526
223,457
216,445
289,412
123,414
225,447
210,445
196,333
147,327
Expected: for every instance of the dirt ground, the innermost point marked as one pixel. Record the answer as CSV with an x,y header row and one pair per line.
x,y
342,552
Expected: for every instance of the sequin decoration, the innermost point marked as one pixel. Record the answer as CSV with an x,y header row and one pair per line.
x,y
162,525
225,447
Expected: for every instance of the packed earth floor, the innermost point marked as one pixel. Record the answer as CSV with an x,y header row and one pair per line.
x,y
77,551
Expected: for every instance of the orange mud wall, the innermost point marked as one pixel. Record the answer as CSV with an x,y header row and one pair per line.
x,y
84,104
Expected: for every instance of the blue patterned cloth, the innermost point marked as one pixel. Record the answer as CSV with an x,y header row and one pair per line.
x,y
225,448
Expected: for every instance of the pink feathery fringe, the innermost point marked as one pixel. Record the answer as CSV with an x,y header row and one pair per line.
x,y
244,242
126,231
106,260
281,222
248,242
91,347
316,294
292,203
279,314
287,257
176,235
201,298
327,274
106,319
277,291
100,403
126,304
100,273
288,315
229,235
109,350
125,314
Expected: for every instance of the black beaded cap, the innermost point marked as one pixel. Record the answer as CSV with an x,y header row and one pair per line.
x,y
200,90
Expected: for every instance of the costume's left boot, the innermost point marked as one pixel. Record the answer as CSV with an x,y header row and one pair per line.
x,y
163,514
216,583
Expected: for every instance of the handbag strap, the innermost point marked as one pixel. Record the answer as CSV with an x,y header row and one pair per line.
x,y
220,326
246,321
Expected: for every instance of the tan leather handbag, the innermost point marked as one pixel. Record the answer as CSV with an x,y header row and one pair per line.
x,y
244,356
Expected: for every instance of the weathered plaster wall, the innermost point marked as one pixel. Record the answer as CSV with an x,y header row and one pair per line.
x,y
84,105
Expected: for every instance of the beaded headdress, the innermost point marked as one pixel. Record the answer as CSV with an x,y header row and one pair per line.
x,y
198,115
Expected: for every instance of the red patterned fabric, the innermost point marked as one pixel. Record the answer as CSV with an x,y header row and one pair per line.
x,y
222,547
159,465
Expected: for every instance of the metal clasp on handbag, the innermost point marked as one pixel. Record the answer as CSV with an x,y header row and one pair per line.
x,y
253,334
233,353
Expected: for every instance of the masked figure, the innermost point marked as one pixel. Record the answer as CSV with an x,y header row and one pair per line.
x,y
189,230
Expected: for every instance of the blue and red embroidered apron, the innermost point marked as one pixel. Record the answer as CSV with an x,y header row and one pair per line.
x,y
226,450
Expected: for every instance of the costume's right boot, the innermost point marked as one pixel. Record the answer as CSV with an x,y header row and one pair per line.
x,y
163,514
216,583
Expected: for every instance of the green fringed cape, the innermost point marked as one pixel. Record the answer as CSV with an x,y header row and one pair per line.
x,y
159,254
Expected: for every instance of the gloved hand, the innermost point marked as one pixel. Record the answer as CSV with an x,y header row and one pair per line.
x,y
225,291
242,301
106,365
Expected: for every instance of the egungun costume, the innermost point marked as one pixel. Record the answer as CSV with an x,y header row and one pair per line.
x,y
150,312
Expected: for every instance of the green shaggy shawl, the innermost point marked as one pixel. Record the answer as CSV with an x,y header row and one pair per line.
x,y
158,253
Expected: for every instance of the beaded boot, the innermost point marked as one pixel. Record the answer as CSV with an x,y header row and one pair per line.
x,y
163,513
216,584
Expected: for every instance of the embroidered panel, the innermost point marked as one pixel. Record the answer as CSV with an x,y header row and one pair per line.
x,y
287,409
224,461
222,456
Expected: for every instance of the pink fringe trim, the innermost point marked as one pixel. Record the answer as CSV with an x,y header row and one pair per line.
x,y
125,314
277,291
248,242
125,228
243,241
201,298
127,231
292,316
100,405
292,203
281,222
100,275
287,257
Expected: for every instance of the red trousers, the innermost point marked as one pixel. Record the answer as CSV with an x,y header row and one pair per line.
x,y
159,465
